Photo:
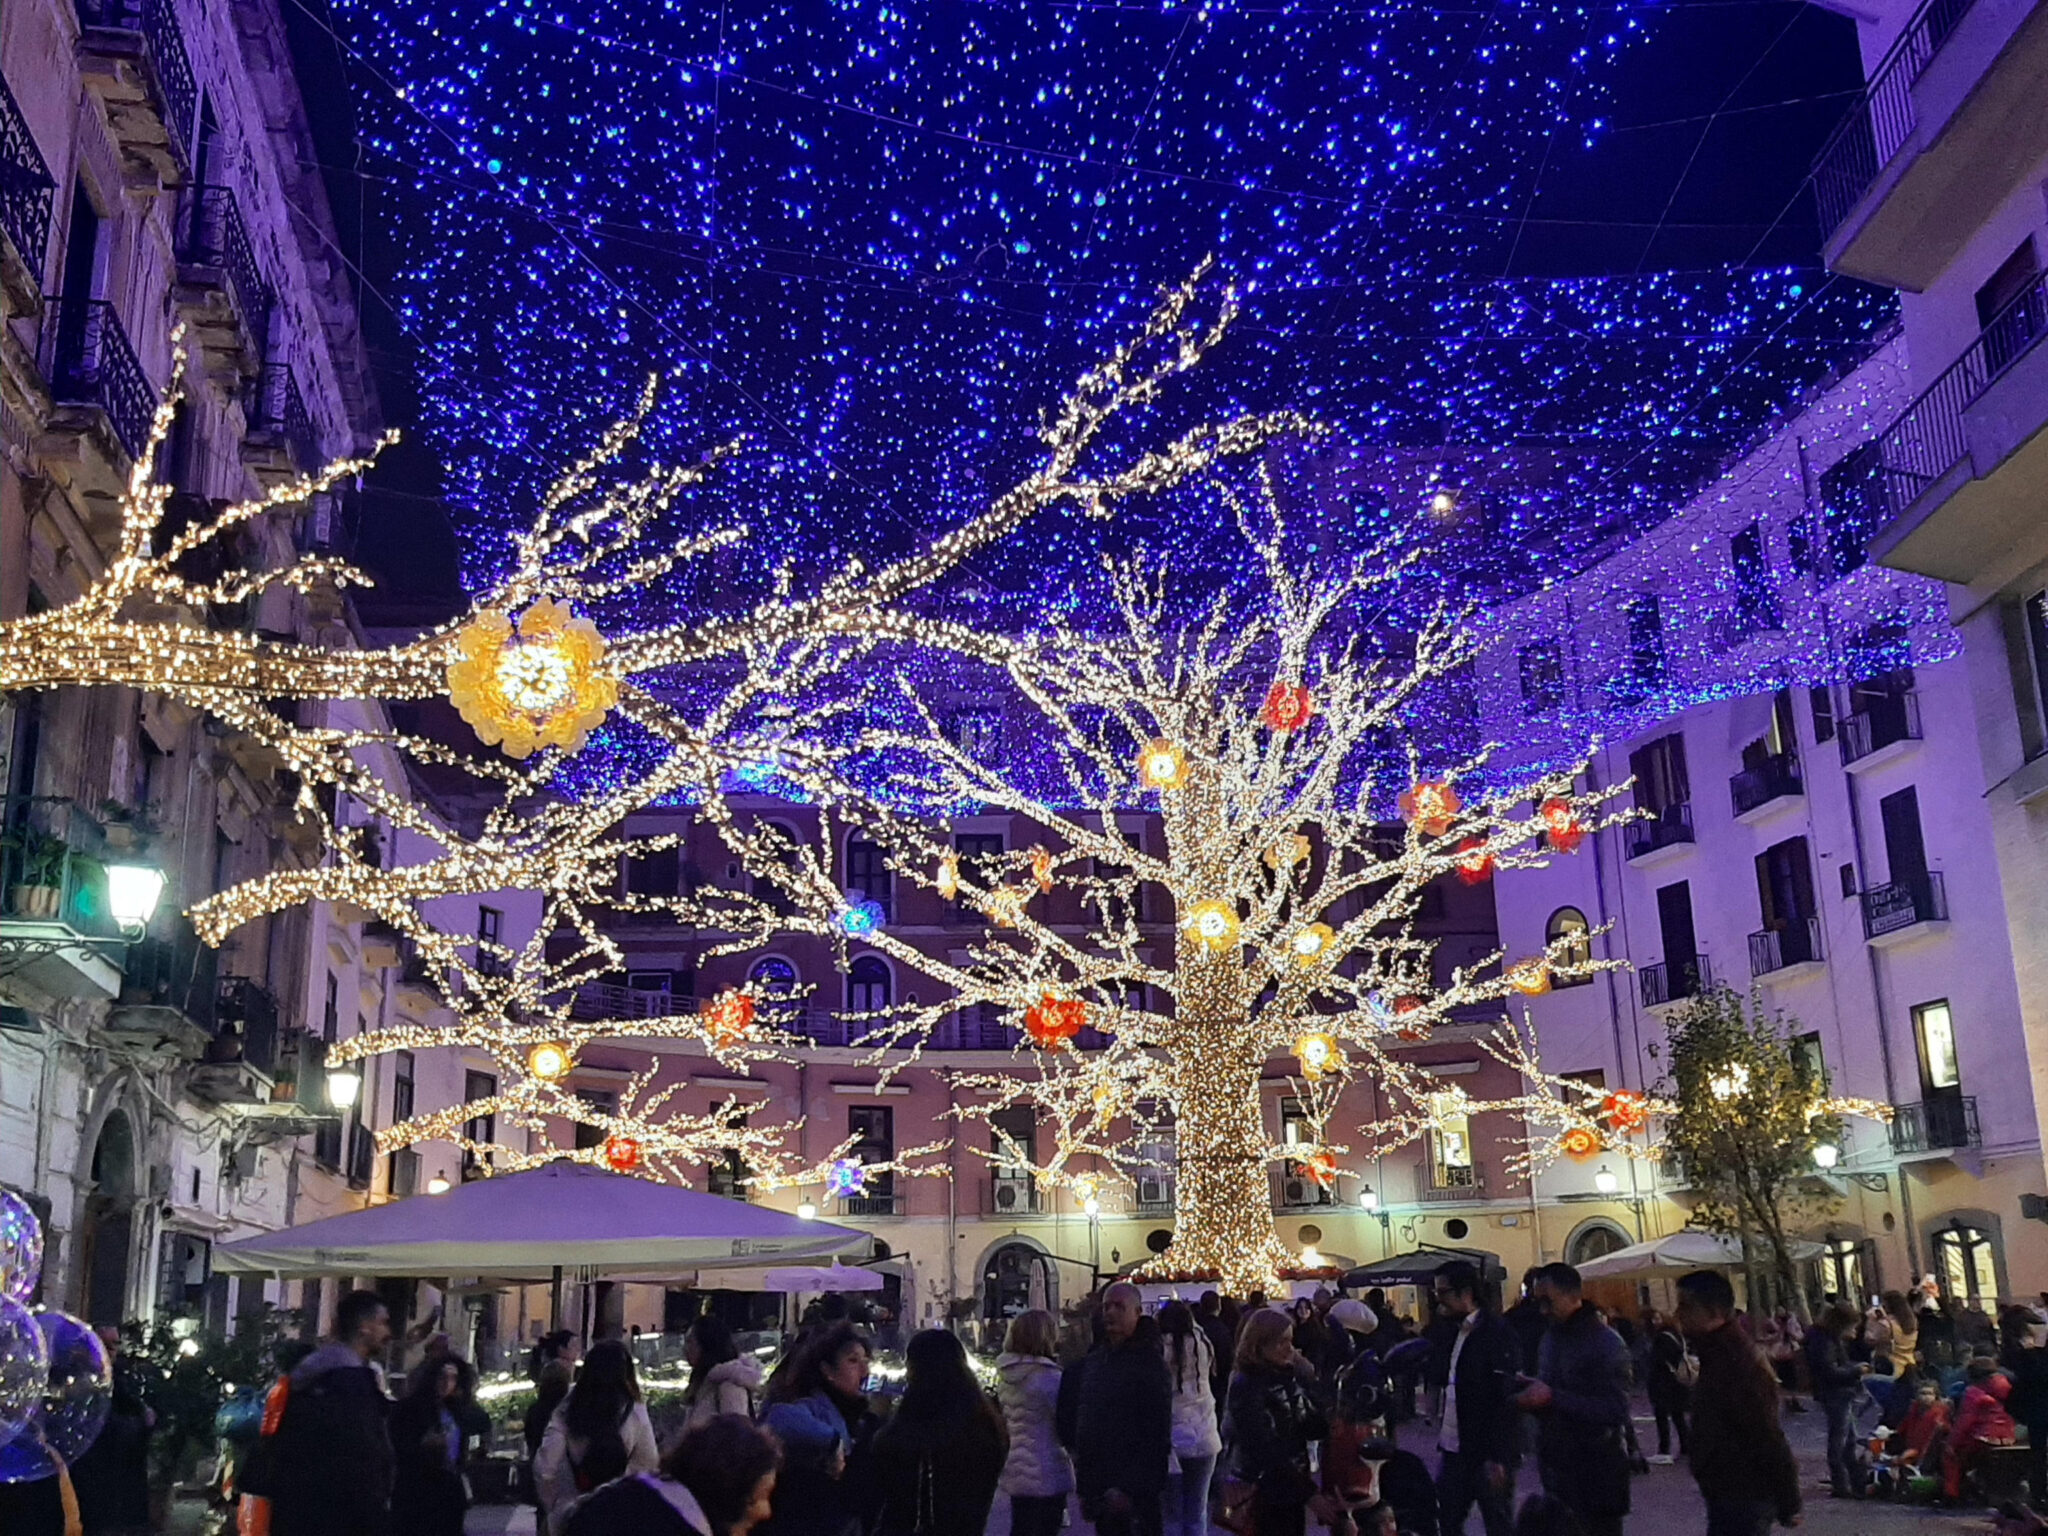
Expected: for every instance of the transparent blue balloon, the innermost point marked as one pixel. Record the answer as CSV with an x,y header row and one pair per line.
x,y
21,1248
24,1369
78,1393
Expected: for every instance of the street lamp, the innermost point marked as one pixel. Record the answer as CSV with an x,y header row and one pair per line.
x,y
344,1084
1826,1154
1369,1200
132,894
807,1210
438,1184
1606,1180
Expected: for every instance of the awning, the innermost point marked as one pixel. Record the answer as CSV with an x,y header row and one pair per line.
x,y
526,1225
1679,1252
1420,1267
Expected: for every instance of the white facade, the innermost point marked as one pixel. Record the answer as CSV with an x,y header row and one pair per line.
x,y
1806,741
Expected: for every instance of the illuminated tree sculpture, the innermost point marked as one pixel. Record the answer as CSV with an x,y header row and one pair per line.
x,y
536,666
1301,813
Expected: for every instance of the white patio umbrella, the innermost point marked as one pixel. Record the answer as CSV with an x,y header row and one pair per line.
x,y
1678,1253
564,1216
816,1279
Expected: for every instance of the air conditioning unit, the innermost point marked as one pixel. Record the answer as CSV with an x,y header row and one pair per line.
x,y
1297,1192
1155,1191
1013,1192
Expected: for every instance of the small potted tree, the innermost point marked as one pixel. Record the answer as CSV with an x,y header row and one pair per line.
x,y
35,868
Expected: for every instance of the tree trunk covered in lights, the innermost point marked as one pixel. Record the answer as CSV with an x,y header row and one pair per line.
x,y
1223,1202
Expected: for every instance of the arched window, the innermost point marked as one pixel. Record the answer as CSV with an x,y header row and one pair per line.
x,y
867,986
765,890
773,975
1569,925
1595,1240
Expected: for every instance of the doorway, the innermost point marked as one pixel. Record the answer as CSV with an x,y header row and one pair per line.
x,y
109,1225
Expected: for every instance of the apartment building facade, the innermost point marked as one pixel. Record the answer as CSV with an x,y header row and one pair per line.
x,y
158,1097
1798,727
1936,185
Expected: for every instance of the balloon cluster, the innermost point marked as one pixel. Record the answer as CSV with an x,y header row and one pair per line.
x,y
56,1380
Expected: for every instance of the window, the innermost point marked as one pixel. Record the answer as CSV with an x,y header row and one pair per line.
x,y
1450,1143
1822,702
1842,1270
1659,772
1297,1130
483,1128
1966,1263
660,983
981,865
2036,621
1756,600
1569,924
773,975
873,1130
401,1086
867,985
601,1101
1013,1138
1645,672
1785,899
1934,1028
976,731
491,959
868,877
1807,1058
782,849
2008,331
1126,900
657,872
330,1011
1542,677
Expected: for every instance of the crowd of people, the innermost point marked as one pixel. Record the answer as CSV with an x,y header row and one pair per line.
x,y
1254,1418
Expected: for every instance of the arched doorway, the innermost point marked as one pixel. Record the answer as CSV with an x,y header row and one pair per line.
x,y
1596,1239
109,1224
1017,1276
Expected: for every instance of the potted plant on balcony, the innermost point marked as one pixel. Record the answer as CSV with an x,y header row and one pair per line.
x,y
36,864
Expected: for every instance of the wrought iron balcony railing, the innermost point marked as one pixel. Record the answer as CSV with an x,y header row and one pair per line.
x,y
1453,1184
89,362
26,189
1904,903
249,1006
1877,726
1775,778
1798,943
156,23
1876,127
871,1205
1885,476
1936,1124
1666,828
213,235
1674,981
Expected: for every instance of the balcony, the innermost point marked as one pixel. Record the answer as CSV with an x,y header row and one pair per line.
x,y
597,1000
1784,954
1904,909
1442,1184
101,394
728,1183
1879,732
56,932
1936,1125
1773,785
239,1069
871,1205
1949,485
1661,836
1670,983
1753,617
1300,1192
383,946
169,990
26,190
220,291
420,985
1948,127
1012,1194
132,57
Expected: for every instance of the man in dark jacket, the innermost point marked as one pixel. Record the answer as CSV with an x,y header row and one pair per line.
x,y
1581,1399
1116,1416
1479,1434
1526,1318
1738,1452
333,1454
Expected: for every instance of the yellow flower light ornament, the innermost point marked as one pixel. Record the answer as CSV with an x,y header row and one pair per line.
x,y
1311,944
1317,1053
549,1061
540,683
1212,925
1162,765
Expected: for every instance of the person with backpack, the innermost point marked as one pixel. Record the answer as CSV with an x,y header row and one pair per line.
x,y
938,1458
722,1380
1672,1370
599,1434
330,1462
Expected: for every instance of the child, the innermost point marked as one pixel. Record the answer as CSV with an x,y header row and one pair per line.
x,y
1369,1477
1919,1441
1981,1421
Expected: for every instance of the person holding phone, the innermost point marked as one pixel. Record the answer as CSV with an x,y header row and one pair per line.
x,y
1580,1399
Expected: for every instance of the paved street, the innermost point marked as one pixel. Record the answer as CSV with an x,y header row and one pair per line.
x,y
1666,1502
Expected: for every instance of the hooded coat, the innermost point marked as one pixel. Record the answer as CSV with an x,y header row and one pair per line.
x,y
334,1461
1028,1391
731,1387
1195,1433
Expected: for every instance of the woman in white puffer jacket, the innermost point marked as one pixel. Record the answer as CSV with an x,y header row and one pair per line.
x,y
722,1380
1037,1474
1190,1363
